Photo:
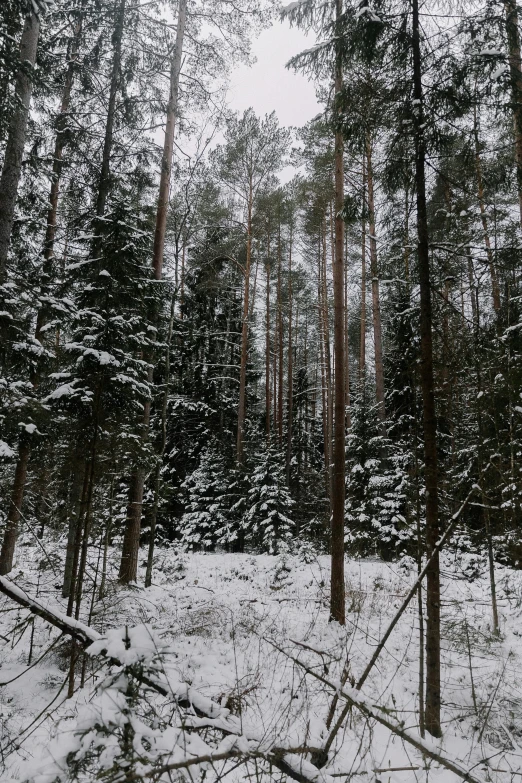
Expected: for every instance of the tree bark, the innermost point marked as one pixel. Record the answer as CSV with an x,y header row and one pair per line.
x,y
346,354
324,385
337,590
432,709
515,73
14,151
376,301
327,371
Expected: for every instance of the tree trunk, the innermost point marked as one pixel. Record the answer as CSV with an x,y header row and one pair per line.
x,y
241,411
161,451
15,506
290,389
106,541
324,386
327,370
432,710
346,354
337,593
14,151
280,338
515,73
104,180
50,232
131,540
267,351
79,490
168,146
362,348
376,302
495,291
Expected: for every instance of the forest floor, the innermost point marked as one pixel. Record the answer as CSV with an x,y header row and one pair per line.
x,y
232,624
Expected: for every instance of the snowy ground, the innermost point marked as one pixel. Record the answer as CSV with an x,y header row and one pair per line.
x,y
232,623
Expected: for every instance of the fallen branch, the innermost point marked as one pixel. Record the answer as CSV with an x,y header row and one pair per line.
x,y
67,625
379,714
436,549
322,757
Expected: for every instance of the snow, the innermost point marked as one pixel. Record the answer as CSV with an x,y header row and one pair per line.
x,y
499,71
226,628
65,390
29,428
5,450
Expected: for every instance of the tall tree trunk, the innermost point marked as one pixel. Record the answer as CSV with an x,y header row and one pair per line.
x,y
241,411
346,354
161,450
14,151
104,181
495,291
61,126
515,73
280,339
267,351
274,376
337,589
362,348
77,493
376,301
290,367
432,710
168,145
131,540
324,385
328,370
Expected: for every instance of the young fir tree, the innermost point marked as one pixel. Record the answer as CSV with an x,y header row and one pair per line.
x,y
204,522
267,521
377,485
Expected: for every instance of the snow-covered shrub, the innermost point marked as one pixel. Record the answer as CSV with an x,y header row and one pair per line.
x,y
116,734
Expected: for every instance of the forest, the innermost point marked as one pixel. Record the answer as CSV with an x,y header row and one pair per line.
x,y
260,395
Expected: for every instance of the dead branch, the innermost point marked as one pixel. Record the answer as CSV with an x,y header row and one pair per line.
x,y
78,631
436,549
380,714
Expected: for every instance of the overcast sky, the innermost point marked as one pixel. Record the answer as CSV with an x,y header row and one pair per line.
x,y
268,85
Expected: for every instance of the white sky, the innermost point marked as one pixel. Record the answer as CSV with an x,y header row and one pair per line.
x,y
268,85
